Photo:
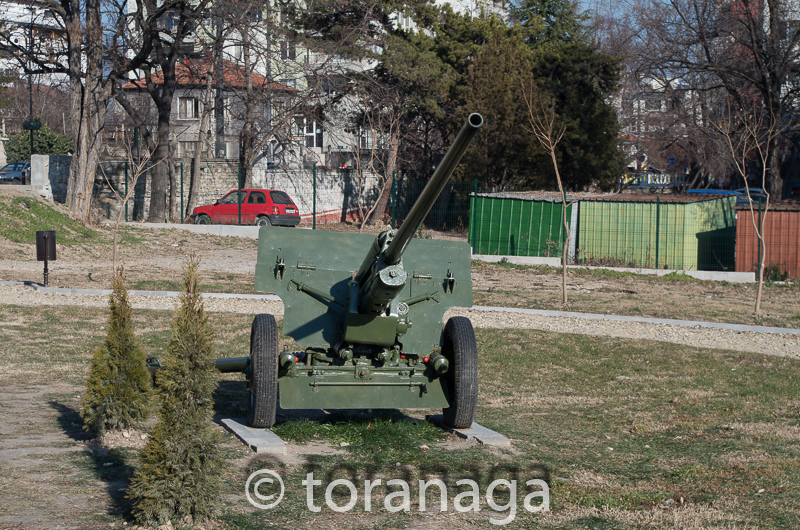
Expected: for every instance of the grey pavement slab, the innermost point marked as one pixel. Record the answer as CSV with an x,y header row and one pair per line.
x,y
261,441
476,432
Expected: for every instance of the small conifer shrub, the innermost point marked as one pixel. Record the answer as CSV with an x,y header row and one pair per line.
x,y
181,464
118,390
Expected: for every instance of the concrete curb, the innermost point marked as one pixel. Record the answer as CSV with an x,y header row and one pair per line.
x,y
716,276
63,290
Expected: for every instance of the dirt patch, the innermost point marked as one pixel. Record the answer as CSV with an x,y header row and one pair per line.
x,y
625,294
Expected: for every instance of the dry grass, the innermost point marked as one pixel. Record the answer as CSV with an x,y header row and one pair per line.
x,y
620,453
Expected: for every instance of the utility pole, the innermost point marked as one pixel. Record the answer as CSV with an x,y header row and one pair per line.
x,y
30,78
219,100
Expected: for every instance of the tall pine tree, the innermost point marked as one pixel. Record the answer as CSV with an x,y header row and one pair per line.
x,y
580,79
179,478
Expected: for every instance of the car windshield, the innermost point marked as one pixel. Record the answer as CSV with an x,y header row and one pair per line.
x,y
13,167
231,197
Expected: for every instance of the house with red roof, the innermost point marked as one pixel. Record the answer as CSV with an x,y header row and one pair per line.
x,y
223,103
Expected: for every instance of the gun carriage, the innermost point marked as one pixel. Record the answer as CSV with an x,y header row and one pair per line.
x,y
370,328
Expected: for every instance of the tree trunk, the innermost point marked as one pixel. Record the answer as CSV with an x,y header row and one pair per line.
x,y
87,105
159,174
247,155
774,179
565,248
760,266
382,203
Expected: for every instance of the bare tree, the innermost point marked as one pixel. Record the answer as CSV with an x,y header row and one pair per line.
x,y
81,55
199,155
167,39
748,49
542,123
50,104
138,165
371,126
749,131
381,120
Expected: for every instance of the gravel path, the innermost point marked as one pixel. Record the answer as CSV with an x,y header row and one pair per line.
x,y
785,345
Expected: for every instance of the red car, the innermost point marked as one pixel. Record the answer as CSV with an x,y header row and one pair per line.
x,y
259,207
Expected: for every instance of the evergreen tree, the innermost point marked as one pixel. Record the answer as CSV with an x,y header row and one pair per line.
x,y
179,476
503,155
118,388
549,22
581,80
45,142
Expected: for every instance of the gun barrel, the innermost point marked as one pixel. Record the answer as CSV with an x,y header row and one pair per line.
x,y
394,252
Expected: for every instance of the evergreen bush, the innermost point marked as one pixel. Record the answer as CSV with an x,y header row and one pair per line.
x,y
179,477
118,389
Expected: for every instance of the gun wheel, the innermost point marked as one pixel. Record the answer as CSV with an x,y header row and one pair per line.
x,y
262,396
461,349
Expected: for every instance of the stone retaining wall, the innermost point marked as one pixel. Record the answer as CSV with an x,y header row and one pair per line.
x,y
340,195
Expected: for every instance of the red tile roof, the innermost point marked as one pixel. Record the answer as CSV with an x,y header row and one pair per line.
x,y
193,73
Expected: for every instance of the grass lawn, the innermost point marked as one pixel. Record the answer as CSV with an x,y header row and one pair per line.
x,y
627,434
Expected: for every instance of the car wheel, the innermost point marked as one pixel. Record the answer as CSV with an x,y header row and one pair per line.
x,y
202,219
16,181
263,220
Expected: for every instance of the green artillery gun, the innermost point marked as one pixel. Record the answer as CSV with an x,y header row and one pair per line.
x,y
372,331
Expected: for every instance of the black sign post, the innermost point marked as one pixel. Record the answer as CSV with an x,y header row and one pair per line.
x,y
46,250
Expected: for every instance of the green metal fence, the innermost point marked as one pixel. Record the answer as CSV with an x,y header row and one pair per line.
x,y
327,198
508,226
657,234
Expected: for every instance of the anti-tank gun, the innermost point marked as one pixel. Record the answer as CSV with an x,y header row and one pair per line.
x,y
371,331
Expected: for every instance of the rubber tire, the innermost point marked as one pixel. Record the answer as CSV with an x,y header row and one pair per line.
x,y
263,220
461,349
262,395
202,219
16,181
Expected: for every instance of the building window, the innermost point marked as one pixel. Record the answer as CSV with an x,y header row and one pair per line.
x,y
365,139
288,51
227,110
313,134
404,21
188,108
291,83
309,130
652,103
187,149
255,14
